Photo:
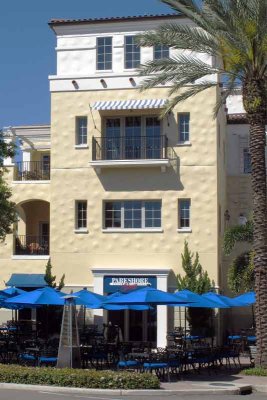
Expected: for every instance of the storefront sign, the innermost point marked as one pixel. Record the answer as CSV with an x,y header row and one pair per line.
x,y
114,283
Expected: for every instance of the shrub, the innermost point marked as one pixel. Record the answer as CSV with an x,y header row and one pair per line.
x,y
255,371
77,378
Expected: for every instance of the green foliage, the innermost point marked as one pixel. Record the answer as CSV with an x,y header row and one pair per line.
x,y
79,378
233,32
51,279
8,215
195,279
238,233
241,273
255,371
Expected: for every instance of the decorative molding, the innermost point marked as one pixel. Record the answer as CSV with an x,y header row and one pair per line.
x,y
135,230
101,271
30,257
129,163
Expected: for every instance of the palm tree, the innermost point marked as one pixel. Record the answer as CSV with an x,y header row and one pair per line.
x,y
235,33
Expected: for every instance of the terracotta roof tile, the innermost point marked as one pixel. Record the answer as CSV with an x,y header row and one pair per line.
x,y
59,21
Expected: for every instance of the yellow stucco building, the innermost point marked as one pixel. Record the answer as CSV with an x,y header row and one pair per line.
x,y
110,192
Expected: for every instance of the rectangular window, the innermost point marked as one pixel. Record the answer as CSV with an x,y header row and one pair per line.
x,y
184,213
81,214
81,131
183,127
247,161
132,53
104,53
132,214
161,52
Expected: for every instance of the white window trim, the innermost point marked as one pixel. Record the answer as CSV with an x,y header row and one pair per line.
x,y
132,230
178,123
104,70
81,146
76,145
122,119
122,229
124,61
184,144
81,230
76,228
186,228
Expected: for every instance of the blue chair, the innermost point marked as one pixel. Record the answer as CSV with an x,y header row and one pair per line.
x,y
159,363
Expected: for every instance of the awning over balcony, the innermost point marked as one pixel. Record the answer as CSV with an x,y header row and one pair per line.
x,y
27,280
129,104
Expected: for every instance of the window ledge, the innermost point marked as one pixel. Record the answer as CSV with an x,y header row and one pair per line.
x,y
183,144
29,257
184,230
82,230
81,146
128,230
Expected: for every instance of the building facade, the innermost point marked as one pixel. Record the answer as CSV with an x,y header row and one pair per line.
x,y
110,192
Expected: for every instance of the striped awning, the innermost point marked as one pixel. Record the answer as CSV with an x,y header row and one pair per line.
x,y
129,104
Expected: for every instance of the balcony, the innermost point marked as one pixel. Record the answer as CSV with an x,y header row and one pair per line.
x,y
32,171
29,245
132,151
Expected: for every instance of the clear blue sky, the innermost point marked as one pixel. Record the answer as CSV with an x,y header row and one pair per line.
x,y
27,50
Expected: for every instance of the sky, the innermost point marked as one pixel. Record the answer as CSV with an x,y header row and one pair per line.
x,y
27,50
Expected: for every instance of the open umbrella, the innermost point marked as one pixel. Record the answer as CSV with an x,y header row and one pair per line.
x,y
90,299
220,300
196,300
11,292
146,296
114,307
38,297
246,299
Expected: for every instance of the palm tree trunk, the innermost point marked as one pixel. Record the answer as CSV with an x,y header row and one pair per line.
x,y
254,99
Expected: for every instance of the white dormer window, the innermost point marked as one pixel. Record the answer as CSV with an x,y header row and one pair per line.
x,y
132,53
104,53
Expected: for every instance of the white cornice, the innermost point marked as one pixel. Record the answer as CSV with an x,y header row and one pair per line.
x,y
101,271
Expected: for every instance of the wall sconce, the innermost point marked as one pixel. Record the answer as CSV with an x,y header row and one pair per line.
x,y
75,84
132,81
103,83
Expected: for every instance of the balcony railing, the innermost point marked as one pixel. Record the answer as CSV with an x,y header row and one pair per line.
x,y
31,245
130,148
32,171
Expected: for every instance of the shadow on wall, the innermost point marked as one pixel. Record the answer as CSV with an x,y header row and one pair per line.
x,y
141,179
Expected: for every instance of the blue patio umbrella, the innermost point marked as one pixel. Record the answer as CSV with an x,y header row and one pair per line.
x,y
220,300
115,307
146,296
38,297
90,299
10,292
196,300
246,299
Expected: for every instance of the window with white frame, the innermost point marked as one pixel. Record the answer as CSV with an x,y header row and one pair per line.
x,y
184,206
246,161
132,53
161,52
81,131
132,214
81,214
104,53
183,127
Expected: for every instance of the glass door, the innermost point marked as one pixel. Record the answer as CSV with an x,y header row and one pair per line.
x,y
111,143
133,131
152,138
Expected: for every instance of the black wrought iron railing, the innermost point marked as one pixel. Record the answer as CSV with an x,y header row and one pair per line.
x,y
129,148
32,171
31,245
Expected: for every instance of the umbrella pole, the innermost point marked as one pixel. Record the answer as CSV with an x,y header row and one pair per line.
x,y
253,317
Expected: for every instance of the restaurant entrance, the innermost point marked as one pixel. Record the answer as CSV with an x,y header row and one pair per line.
x,y
135,326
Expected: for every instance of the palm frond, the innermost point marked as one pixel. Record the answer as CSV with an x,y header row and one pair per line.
x,y
181,37
186,94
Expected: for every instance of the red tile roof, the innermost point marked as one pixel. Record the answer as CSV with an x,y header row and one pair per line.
x,y
54,22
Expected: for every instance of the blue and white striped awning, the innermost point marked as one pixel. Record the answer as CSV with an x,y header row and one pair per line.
x,y
129,104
